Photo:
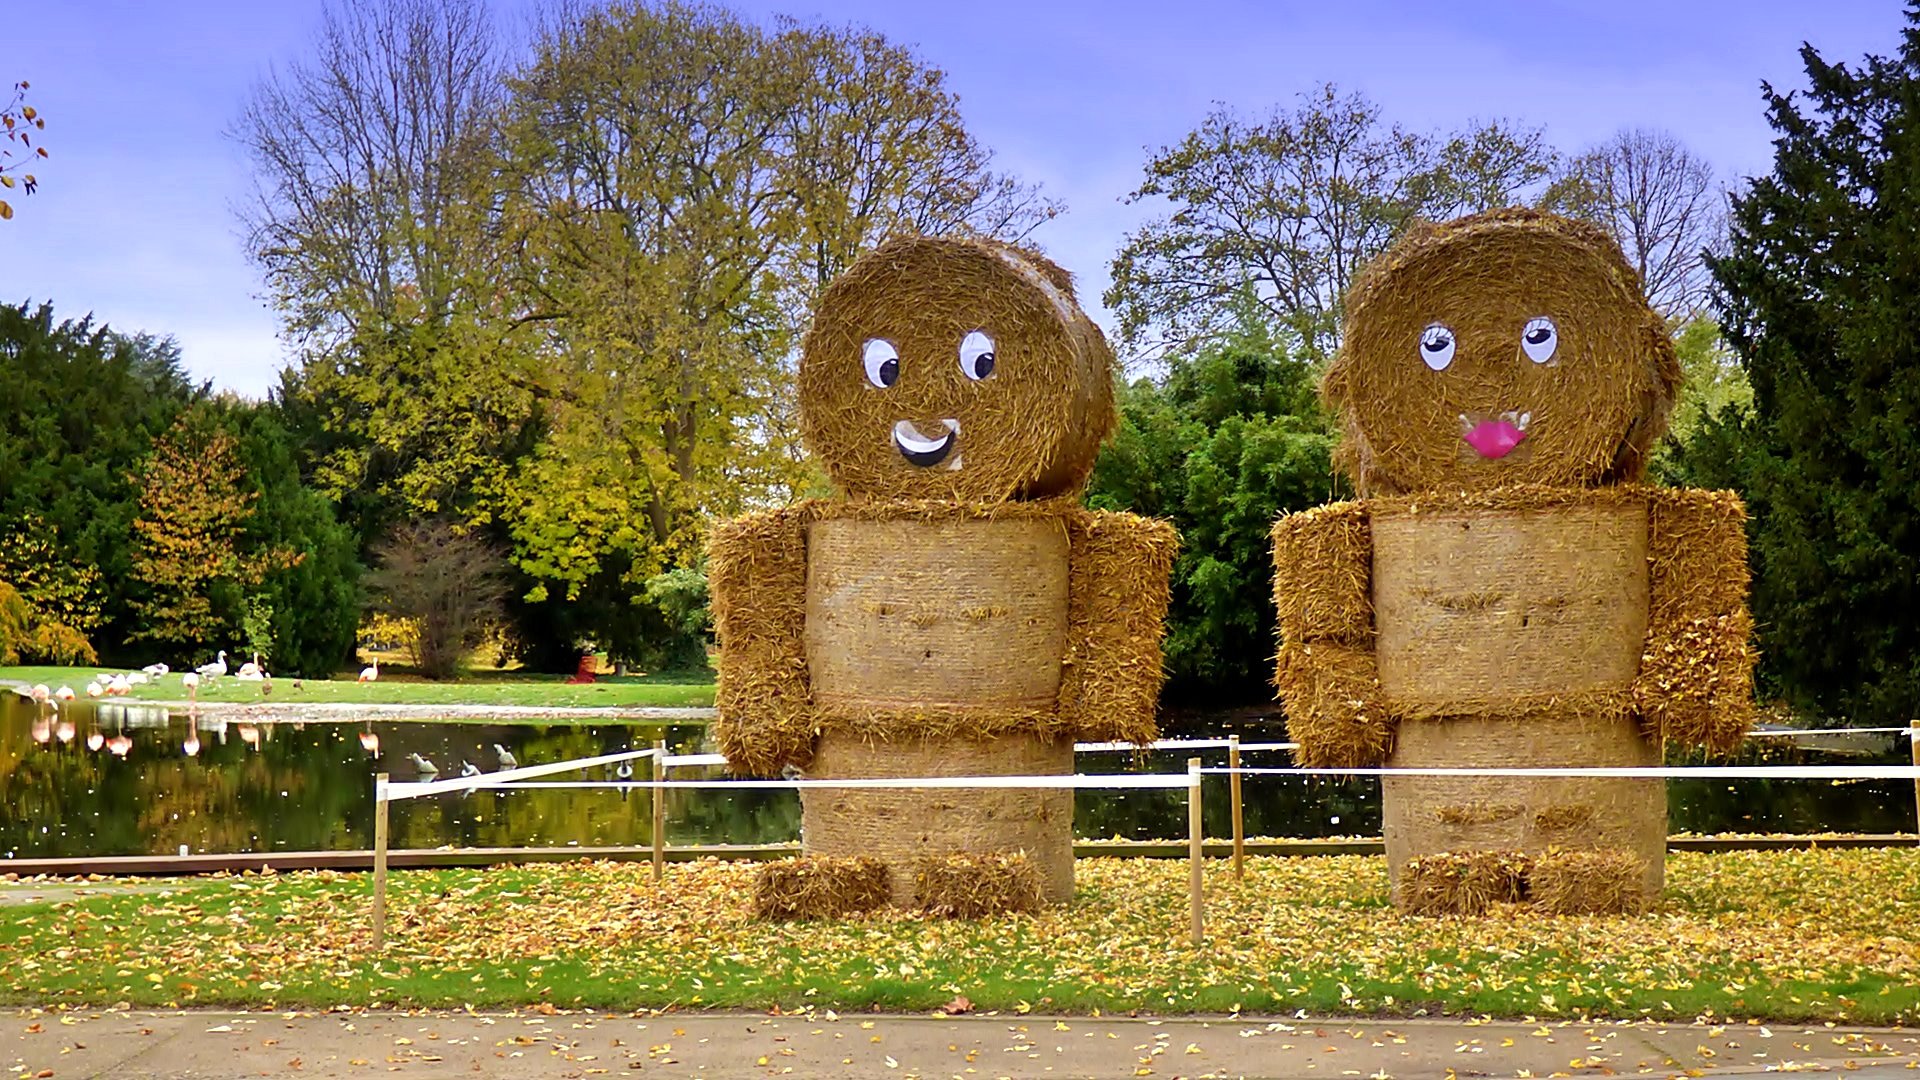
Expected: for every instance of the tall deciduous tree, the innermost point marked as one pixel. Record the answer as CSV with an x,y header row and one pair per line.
x,y
680,184
444,582
1287,209
1818,295
372,162
1661,203
194,506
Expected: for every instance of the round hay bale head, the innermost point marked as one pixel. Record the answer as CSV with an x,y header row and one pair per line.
x,y
954,369
902,827
1512,347
1434,815
966,614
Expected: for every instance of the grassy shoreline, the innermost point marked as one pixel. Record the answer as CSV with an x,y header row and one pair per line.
x,y
674,690
1805,935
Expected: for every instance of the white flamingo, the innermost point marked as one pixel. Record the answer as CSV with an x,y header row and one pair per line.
x,y
155,670
371,672
65,693
120,686
191,680
40,692
94,689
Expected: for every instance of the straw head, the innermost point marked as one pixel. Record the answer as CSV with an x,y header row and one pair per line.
x,y
954,369
1511,347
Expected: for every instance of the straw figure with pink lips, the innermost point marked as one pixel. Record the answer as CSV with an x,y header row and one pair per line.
x,y
1507,592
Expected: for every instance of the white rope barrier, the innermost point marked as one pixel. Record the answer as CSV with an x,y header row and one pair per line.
x,y
1765,733
400,789
1083,780
1624,772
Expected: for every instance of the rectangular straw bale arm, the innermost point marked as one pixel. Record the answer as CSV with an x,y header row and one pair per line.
x,y
757,573
1326,670
1119,569
1696,675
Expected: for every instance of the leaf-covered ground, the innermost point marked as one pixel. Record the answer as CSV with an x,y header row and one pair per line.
x,y
1777,935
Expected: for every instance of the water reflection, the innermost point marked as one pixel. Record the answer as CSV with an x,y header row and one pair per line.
x,y
120,778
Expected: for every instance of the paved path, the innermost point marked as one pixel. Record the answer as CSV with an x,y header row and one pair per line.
x,y
114,1043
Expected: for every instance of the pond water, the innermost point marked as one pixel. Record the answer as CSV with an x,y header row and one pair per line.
x,y
110,779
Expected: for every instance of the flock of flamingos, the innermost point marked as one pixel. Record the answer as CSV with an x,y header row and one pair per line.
x,y
52,722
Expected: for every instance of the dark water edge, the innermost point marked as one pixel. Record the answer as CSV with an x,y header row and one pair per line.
x,y
305,787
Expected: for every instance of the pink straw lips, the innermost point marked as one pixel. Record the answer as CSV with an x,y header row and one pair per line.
x,y
1495,438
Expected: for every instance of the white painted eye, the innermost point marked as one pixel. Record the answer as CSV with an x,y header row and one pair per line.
x,y
976,355
1436,346
1539,339
883,362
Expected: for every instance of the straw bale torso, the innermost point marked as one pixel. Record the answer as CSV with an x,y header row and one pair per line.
x,y
1509,633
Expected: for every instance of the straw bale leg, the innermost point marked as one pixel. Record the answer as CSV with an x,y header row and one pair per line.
x,y
1696,674
1118,582
757,572
1326,670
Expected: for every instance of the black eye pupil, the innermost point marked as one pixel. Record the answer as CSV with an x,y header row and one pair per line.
x,y
1538,337
983,365
889,371
1437,344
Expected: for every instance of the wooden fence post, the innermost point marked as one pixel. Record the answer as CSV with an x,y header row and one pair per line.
x,y
1196,900
379,862
659,808
1913,737
1239,819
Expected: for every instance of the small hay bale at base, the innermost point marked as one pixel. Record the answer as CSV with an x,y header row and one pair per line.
x,y
974,886
820,887
1601,882
1461,882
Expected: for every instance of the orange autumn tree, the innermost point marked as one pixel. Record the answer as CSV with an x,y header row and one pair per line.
x,y
190,538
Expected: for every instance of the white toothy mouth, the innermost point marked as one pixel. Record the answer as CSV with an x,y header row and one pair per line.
x,y
918,449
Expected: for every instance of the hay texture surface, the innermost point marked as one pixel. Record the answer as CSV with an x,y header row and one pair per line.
x,y
1591,882
757,574
1596,407
1461,882
820,887
1696,674
1119,578
1067,648
969,886
1029,428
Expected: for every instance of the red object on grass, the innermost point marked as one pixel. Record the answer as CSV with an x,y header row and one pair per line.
x,y
584,674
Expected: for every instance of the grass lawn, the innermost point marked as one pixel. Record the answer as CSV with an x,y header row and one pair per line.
x,y
1791,935
400,688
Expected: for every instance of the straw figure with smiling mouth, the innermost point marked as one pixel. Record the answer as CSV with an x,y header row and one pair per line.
x,y
1507,593
954,611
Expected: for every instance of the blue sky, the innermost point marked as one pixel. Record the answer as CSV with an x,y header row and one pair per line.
x,y
133,220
